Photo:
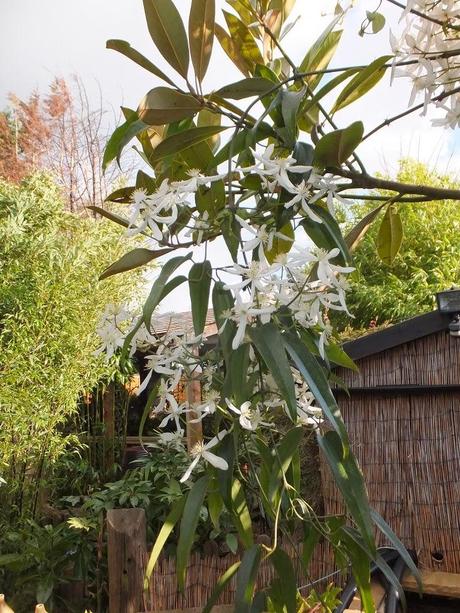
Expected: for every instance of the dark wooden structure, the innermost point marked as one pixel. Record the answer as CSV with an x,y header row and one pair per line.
x,y
403,417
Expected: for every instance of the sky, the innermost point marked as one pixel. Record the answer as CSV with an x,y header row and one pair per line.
x,y
41,39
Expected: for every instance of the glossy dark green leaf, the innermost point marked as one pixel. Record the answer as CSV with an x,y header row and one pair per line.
x,y
222,302
285,593
201,34
361,83
132,259
314,376
350,482
199,282
164,105
211,199
168,33
123,47
120,138
246,579
122,195
156,292
183,140
284,453
269,343
390,236
337,355
336,147
188,525
327,234
121,221
290,104
246,88
327,88
166,529
360,565
311,538
215,503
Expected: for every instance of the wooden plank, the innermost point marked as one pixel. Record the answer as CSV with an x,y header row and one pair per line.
x,y
435,582
126,549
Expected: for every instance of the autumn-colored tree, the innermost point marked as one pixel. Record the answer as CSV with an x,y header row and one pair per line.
x,y
59,132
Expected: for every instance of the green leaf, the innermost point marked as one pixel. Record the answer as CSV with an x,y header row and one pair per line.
x,y
232,542
230,47
240,143
166,529
390,236
314,375
123,47
284,454
201,34
285,586
327,234
225,477
188,526
156,293
222,302
310,540
355,235
132,259
120,138
168,33
122,195
241,515
246,88
211,199
320,53
280,245
360,565
183,140
337,355
336,147
309,103
377,21
396,543
290,103
269,343
208,118
349,480
164,105
365,80
199,282
153,395
244,40
215,503
121,221
246,579
220,585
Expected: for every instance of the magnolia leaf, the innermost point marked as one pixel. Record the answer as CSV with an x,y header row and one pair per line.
x,y
222,302
120,138
320,53
390,236
241,514
156,293
244,40
327,234
336,147
269,343
188,526
123,47
355,235
207,118
350,482
164,105
183,140
133,259
246,579
362,82
231,48
290,103
252,86
168,33
211,199
199,282
328,87
201,34
314,376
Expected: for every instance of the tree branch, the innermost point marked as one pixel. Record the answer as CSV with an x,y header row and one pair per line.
x,y
424,16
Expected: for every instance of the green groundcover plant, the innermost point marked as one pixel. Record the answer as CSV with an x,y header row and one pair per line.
x,y
258,164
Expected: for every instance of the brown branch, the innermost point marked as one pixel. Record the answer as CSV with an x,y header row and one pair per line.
x,y
424,16
366,181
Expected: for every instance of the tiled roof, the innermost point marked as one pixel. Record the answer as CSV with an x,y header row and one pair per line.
x,y
181,322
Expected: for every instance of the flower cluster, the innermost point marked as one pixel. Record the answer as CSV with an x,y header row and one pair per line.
x,y
276,268
432,40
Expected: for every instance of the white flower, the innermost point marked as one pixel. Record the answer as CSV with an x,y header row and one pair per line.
x,y
195,181
250,419
172,439
173,412
201,224
201,450
275,167
208,407
303,193
243,312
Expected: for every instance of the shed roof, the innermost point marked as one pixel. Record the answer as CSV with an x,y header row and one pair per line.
x,y
398,334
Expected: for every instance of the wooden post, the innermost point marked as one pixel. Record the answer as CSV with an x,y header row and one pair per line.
x,y
126,549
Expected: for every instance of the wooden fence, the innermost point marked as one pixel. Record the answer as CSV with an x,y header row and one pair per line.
x,y
128,555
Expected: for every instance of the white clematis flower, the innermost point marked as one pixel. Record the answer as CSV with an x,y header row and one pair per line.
x,y
201,451
250,419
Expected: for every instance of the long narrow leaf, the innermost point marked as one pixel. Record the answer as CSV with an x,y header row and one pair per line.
x,y
246,579
199,281
201,34
220,585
